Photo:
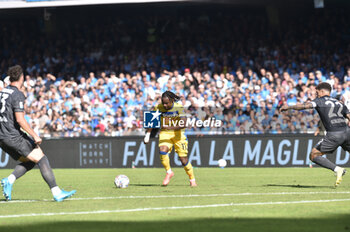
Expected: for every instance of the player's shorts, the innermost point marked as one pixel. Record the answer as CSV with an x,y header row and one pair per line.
x,y
179,142
18,146
333,140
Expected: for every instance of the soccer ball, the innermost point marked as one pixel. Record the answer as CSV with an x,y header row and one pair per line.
x,y
121,181
222,163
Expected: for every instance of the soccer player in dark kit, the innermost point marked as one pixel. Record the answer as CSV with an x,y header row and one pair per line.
x,y
333,114
18,144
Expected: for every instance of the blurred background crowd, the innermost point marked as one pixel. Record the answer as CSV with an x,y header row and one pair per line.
x,y
238,66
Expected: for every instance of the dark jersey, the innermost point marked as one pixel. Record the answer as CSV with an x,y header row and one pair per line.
x,y
332,113
11,101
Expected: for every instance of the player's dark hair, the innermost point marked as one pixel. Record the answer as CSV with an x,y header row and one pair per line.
x,y
15,72
171,96
325,86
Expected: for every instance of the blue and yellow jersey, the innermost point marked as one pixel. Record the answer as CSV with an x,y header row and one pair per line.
x,y
174,114
170,138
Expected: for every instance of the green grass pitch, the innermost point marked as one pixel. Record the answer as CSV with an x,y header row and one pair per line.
x,y
230,199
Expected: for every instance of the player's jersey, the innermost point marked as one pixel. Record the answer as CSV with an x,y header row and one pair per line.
x,y
332,113
11,101
173,114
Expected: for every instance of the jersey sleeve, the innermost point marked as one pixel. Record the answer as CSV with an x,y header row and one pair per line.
x,y
18,102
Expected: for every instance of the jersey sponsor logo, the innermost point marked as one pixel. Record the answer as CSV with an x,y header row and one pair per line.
x,y
338,120
21,105
170,114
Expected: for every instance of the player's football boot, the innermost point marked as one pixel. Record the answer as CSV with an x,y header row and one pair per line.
x,y
340,173
167,178
63,195
193,183
6,188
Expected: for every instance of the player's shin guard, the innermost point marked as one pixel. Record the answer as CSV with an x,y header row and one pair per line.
x,y
164,159
46,172
189,170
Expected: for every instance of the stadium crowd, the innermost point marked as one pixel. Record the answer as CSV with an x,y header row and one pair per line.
x,y
97,80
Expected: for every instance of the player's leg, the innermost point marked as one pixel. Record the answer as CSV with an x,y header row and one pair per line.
x,y
340,172
21,169
164,158
326,146
37,156
164,151
181,148
165,147
18,171
26,150
317,157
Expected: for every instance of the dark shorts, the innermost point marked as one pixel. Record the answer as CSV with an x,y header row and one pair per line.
x,y
333,140
19,146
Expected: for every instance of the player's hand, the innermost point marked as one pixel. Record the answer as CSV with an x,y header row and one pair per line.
x,y
38,140
284,108
146,138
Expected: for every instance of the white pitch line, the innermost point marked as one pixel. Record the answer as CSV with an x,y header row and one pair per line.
x,y
176,196
172,208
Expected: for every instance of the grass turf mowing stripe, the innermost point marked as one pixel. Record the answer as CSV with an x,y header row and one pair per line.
x,y
178,196
172,208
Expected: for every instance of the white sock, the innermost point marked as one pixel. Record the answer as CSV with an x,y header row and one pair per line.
x,y
169,171
11,178
55,190
336,168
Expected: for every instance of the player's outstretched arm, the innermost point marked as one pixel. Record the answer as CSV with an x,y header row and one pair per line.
x,y
303,106
26,127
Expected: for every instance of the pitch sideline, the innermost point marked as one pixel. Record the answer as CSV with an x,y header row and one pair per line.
x,y
177,196
172,208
